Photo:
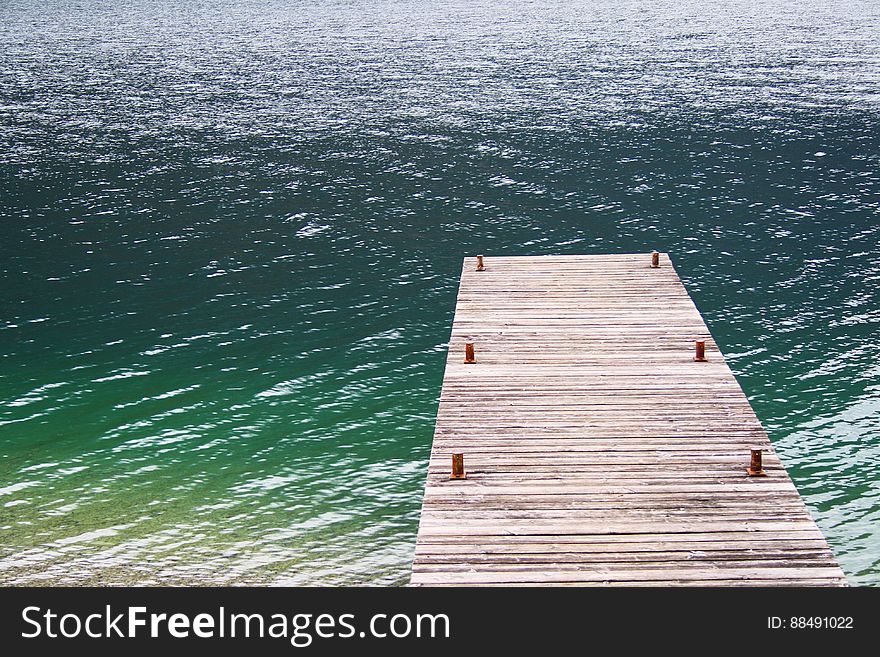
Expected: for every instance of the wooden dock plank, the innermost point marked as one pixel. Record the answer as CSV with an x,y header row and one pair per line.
x,y
598,452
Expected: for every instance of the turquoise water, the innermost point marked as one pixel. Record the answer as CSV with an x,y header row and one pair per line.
x,y
231,233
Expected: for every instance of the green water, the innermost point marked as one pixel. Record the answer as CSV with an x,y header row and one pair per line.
x,y
231,232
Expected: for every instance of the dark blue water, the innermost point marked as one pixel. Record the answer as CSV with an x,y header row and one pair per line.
x,y
230,236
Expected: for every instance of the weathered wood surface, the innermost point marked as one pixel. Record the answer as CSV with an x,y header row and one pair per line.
x,y
598,452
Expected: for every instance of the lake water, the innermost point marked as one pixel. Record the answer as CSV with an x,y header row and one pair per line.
x,y
231,233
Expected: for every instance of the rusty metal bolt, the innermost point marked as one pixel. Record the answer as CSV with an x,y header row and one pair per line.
x,y
458,467
756,467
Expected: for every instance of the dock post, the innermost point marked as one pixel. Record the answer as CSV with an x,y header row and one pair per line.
x,y
756,467
458,467
469,353
655,259
700,355
480,266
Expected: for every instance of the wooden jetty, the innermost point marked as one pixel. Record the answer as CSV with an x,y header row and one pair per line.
x,y
597,449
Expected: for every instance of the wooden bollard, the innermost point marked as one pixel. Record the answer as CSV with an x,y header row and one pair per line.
x,y
700,355
756,467
458,467
480,266
655,259
469,353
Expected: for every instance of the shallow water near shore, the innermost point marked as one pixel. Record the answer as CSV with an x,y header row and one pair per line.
x,y
231,234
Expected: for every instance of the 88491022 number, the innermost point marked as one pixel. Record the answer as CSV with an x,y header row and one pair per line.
x,y
821,622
